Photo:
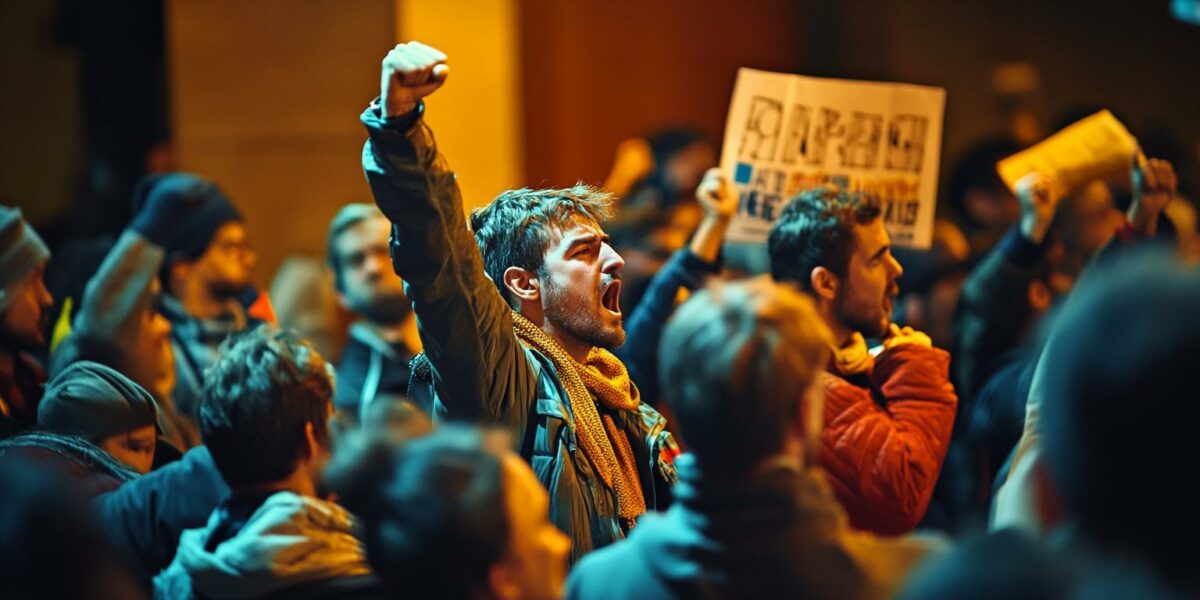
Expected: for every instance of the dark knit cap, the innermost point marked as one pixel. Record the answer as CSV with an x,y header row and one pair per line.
x,y
94,401
204,208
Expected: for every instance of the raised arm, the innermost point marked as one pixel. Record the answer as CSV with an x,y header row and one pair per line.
x,y
480,369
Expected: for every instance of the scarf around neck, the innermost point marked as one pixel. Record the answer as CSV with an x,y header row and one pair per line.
x,y
854,357
604,379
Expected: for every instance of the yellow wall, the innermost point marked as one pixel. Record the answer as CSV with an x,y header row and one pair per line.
x,y
265,98
476,115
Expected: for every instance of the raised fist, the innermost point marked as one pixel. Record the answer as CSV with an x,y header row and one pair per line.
x,y
715,196
1154,184
1039,198
411,71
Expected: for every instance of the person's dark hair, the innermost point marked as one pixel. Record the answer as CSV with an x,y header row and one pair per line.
x,y
737,360
1005,564
431,509
816,229
347,217
258,397
1120,417
515,229
976,168
50,546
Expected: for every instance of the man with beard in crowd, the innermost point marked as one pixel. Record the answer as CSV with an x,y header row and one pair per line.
x,y
518,322
375,360
24,302
205,275
888,414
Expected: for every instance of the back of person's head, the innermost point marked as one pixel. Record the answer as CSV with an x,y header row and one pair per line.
x,y
432,511
268,392
738,361
516,228
49,545
1003,565
1120,416
976,191
816,229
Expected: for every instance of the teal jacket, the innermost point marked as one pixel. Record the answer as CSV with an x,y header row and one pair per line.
x,y
481,372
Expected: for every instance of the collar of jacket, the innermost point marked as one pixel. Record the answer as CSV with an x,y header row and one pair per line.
x,y
361,332
234,319
779,496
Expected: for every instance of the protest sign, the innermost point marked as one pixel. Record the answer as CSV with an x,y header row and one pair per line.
x,y
788,133
1092,148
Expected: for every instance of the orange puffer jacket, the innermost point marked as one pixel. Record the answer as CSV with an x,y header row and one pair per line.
x,y
886,434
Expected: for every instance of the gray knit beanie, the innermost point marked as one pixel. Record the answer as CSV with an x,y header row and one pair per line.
x,y
21,251
94,401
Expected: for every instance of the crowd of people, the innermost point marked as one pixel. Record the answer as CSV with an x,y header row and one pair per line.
x,y
497,426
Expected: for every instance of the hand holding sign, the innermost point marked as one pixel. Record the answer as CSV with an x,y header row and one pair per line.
x,y
1154,183
1039,198
411,71
1093,148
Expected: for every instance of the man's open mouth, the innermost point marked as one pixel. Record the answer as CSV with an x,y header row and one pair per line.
x,y
612,297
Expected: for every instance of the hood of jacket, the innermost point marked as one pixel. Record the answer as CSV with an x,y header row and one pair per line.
x,y
290,540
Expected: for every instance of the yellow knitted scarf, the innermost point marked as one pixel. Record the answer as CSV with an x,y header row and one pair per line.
x,y
854,357
604,378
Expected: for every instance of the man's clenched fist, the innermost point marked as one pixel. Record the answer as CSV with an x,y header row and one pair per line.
x,y
411,71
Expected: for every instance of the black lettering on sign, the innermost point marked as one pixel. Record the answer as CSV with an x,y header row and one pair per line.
x,y
906,143
863,135
797,134
828,129
761,136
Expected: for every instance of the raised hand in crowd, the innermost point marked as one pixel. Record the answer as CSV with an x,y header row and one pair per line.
x,y
1154,184
719,205
1039,198
411,71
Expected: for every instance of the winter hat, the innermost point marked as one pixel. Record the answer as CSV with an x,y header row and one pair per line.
x,y
205,206
21,251
95,402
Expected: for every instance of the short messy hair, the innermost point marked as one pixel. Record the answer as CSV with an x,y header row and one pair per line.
x,y
817,230
514,230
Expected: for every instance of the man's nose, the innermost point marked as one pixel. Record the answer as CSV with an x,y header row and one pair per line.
x,y
612,261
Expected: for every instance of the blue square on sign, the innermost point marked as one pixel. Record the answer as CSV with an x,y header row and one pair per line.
x,y
742,173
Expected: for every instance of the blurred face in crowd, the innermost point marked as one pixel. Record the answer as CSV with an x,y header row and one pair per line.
x,y
864,298
153,359
368,285
686,168
581,286
24,322
535,566
225,267
133,448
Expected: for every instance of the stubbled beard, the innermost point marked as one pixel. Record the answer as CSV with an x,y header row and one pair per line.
x,y
856,318
579,318
387,310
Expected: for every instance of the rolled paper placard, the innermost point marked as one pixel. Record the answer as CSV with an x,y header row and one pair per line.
x,y
1092,148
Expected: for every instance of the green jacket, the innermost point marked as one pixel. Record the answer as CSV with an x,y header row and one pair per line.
x,y
481,372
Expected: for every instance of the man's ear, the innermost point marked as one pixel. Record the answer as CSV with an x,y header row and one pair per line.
x,y
312,446
824,283
522,285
